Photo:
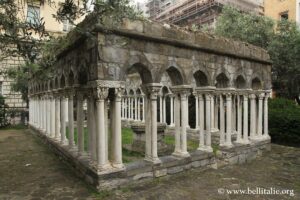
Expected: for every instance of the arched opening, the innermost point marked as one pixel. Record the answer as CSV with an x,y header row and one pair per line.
x,y
82,76
175,76
240,82
145,74
256,84
56,83
62,81
200,78
71,78
222,81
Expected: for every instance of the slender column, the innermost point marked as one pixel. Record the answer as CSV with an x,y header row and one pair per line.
x,y
102,162
92,131
239,120
201,122
208,147
266,128
245,128
184,122
71,121
260,115
143,101
160,109
164,110
197,109
187,115
222,121
216,115
172,110
57,119
48,116
44,116
139,109
63,139
117,131
131,110
233,127
80,119
212,112
52,117
177,124
252,116
151,134
228,142
135,109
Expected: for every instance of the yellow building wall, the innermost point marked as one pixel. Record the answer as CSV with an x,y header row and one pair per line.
x,y
273,8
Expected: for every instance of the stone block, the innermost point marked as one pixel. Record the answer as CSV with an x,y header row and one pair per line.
x,y
174,170
143,175
159,173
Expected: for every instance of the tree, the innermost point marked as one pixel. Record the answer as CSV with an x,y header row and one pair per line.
x,y
29,39
281,39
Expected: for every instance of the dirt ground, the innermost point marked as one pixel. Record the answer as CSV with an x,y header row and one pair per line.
x,y
28,170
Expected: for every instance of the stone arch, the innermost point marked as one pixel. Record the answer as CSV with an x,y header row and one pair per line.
x,y
138,91
222,81
200,78
143,71
256,84
56,82
240,82
165,90
175,75
131,92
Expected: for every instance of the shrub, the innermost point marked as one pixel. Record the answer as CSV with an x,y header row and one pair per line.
x,y
284,121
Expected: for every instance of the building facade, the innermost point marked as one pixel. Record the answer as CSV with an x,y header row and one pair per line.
x,y
283,9
30,11
203,12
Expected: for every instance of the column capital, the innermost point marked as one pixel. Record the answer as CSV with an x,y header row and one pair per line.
x,y
252,96
261,96
119,93
152,89
101,93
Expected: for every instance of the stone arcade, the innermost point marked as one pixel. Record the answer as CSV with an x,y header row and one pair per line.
x,y
133,72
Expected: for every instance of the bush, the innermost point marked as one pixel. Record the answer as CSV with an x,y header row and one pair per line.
x,y
284,121
3,120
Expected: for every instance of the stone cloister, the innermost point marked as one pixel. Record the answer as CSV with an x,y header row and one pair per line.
x,y
144,72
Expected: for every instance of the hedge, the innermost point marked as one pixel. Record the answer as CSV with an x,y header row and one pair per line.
x,y
284,122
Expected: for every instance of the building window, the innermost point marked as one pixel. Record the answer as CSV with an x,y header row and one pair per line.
x,y
284,15
67,25
33,14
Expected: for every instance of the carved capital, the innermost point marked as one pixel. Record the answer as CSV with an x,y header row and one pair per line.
x,y
119,93
252,96
261,96
101,93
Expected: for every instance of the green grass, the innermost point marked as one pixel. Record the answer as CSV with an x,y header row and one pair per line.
x,y
191,144
15,127
127,136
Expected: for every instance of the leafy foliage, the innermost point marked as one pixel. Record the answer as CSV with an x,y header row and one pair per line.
x,y
284,121
281,39
3,121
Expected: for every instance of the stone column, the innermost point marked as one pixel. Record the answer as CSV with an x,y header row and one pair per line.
x,y
201,122
44,116
266,125
48,113
92,131
71,120
239,120
143,101
177,125
222,121
131,109
233,113
63,139
216,125
160,109
102,162
228,142
197,109
260,115
208,147
164,109
184,122
252,116
57,119
117,131
52,117
245,128
212,112
135,108
80,121
172,110
139,109
151,131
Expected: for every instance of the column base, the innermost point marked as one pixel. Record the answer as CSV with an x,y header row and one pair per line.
x,y
245,141
266,137
208,149
118,165
227,145
153,160
103,168
181,154
239,141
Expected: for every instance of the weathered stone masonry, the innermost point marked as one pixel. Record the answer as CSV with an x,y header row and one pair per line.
x,y
121,73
